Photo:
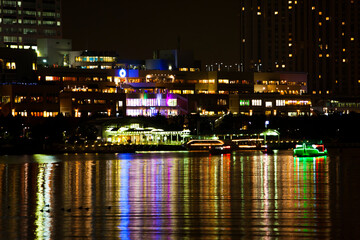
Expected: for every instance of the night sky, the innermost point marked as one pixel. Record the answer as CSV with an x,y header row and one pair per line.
x,y
135,28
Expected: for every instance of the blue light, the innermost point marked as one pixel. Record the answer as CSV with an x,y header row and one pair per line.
x,y
122,73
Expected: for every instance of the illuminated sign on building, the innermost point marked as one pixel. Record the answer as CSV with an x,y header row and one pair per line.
x,y
159,101
122,73
151,102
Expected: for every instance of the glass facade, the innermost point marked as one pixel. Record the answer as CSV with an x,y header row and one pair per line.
x,y
23,22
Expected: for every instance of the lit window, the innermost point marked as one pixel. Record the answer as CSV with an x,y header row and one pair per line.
x,y
290,55
352,39
327,18
276,12
244,102
312,8
320,13
259,13
256,102
280,102
268,104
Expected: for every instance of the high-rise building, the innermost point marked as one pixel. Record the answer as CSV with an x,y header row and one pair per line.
x,y
22,22
318,37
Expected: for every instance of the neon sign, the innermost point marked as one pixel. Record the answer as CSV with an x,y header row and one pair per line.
x,y
122,73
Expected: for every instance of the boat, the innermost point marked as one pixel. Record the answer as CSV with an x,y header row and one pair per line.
x,y
249,144
203,144
310,149
220,149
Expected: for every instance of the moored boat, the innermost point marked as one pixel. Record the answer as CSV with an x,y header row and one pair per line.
x,y
220,149
310,149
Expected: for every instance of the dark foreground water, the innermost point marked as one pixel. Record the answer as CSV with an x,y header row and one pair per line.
x,y
177,195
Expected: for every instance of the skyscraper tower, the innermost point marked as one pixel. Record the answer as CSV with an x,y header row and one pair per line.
x,y
22,22
319,37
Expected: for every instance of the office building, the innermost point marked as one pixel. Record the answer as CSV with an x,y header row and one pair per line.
x,y
318,37
25,21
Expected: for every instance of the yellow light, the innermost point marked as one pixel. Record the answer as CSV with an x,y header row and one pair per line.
x,y
319,76
352,39
344,60
327,18
290,55
276,12
320,55
320,13
344,50
320,23
312,8
243,8
290,7
327,55
259,13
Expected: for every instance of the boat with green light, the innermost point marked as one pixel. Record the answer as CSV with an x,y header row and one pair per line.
x,y
310,149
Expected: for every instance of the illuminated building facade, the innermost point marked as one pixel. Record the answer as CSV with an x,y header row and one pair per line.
x,y
270,104
29,100
318,37
23,22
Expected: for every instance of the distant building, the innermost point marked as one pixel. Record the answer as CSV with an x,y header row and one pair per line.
x,y
23,22
92,59
29,100
54,52
318,37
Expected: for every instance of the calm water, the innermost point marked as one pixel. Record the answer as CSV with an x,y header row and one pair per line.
x,y
177,195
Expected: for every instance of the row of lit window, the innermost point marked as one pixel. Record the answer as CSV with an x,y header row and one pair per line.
x,y
89,101
189,69
36,99
95,59
278,103
30,13
29,21
182,91
34,114
10,65
207,81
57,78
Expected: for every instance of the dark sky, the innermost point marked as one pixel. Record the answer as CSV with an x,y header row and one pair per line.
x,y
135,28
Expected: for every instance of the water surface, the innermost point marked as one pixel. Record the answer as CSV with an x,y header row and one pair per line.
x,y
177,195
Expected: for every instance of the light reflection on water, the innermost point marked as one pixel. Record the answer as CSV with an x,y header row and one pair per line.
x,y
178,195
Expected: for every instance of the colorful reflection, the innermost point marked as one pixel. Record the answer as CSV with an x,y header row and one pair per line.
x,y
165,195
